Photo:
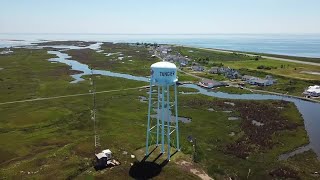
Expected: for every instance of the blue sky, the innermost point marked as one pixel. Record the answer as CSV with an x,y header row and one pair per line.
x,y
160,16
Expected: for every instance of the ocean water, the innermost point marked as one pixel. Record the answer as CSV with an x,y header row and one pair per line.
x,y
305,45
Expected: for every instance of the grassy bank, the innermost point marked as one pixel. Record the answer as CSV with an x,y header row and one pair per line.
x,y
232,90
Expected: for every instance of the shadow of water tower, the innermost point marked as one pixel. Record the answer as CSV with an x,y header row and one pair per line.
x,y
163,126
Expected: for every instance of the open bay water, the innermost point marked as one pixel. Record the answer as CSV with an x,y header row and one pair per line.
x,y
305,45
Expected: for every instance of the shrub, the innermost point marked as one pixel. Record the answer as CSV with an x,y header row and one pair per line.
x,y
266,67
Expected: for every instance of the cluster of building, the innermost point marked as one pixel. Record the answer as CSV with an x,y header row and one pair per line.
x,y
268,81
165,52
6,52
177,59
234,74
313,91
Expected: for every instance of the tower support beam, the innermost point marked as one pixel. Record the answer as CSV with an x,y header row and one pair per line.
x,y
162,119
148,125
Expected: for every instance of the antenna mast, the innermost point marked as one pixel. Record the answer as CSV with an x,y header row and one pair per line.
x,y
93,113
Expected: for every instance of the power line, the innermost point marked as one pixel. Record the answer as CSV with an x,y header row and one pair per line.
x,y
71,95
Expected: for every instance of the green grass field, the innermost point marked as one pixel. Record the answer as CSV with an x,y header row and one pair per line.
x,y
54,138
289,70
196,54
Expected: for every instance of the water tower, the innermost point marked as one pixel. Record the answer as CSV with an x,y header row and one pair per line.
x,y
163,127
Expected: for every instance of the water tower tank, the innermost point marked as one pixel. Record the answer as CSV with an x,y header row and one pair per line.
x,y
164,73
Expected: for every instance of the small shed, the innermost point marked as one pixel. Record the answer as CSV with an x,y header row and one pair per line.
x,y
103,158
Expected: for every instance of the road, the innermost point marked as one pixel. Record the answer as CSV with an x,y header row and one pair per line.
x,y
193,75
266,57
70,95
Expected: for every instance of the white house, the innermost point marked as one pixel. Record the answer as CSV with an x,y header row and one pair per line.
x,y
313,91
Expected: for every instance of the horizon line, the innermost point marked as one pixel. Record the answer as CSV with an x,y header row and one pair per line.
x,y
13,33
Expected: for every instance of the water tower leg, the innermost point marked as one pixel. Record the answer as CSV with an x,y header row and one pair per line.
x,y
158,115
148,126
176,113
168,121
162,120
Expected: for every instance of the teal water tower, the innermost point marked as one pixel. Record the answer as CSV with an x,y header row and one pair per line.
x,y
163,125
